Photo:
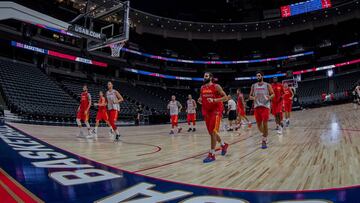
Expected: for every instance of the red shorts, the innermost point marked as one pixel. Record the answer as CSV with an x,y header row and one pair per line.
x,y
191,117
241,111
212,121
174,119
102,115
276,107
288,106
81,115
261,114
113,115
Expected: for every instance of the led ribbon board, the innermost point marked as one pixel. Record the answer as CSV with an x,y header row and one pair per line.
x,y
58,54
304,7
141,72
304,71
162,58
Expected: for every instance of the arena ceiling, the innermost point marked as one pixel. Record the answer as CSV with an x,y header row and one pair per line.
x,y
216,11
209,10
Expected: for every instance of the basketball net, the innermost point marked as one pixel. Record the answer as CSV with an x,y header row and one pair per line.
x,y
116,48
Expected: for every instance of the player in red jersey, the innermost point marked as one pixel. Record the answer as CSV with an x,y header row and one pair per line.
x,y
102,114
241,110
262,93
277,104
288,98
212,97
83,111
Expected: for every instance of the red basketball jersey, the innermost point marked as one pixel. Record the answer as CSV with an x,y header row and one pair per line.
x,y
102,101
287,94
210,91
278,89
240,101
85,100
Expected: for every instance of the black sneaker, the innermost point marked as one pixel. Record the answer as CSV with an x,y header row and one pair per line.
x,y
117,138
189,130
230,129
194,129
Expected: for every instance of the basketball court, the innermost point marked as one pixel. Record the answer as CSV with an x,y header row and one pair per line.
x,y
315,160
320,150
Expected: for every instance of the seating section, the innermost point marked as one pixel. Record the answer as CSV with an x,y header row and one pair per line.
x,y
309,92
148,99
29,92
155,99
346,82
163,96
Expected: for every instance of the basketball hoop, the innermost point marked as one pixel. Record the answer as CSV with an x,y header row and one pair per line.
x,y
116,48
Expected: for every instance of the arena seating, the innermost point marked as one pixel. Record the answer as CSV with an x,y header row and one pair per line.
x,y
163,96
346,82
29,92
310,91
146,98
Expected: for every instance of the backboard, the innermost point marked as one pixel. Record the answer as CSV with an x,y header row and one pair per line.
x,y
293,83
103,23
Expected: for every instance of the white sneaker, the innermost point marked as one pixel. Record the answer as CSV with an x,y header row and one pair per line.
x,y
94,134
111,133
280,130
80,134
89,136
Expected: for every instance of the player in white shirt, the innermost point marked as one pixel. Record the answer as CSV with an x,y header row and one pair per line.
x,y
356,94
191,112
175,107
231,112
113,98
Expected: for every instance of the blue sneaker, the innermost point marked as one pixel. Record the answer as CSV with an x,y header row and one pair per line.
x,y
209,158
263,145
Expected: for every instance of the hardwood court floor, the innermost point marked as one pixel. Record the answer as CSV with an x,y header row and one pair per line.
x,y
321,149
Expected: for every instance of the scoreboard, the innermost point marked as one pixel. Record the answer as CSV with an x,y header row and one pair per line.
x,y
304,7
